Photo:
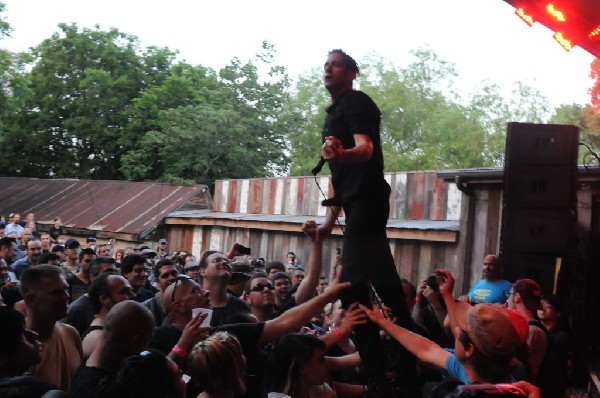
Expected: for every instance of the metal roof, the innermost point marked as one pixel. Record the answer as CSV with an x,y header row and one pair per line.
x,y
497,173
422,225
108,206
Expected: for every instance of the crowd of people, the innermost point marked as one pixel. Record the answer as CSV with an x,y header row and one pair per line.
x,y
81,321
96,323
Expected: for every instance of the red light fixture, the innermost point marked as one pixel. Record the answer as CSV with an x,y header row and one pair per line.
x,y
556,13
528,19
563,41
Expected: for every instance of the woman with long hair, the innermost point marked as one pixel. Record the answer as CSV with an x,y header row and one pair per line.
x,y
298,366
218,366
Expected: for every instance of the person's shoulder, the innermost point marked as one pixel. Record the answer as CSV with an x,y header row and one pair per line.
x,y
67,330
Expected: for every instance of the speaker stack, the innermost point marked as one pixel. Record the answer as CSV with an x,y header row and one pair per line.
x,y
539,212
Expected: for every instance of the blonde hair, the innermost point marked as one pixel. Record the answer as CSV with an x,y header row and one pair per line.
x,y
217,364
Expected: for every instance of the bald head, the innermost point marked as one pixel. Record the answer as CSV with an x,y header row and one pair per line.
x,y
128,319
128,329
492,268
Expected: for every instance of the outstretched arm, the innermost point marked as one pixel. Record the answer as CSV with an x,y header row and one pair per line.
x,y
307,287
294,318
424,349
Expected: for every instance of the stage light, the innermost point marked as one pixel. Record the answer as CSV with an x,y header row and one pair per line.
x,y
528,19
594,35
557,14
563,41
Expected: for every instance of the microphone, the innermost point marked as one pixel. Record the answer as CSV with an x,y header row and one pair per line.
x,y
318,167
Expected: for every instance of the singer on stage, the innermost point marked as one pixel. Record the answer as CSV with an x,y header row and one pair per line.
x,y
352,149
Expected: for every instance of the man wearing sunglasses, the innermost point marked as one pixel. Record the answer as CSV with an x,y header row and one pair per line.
x,y
165,273
260,297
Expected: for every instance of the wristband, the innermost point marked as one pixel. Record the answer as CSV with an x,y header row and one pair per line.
x,y
338,333
179,352
417,299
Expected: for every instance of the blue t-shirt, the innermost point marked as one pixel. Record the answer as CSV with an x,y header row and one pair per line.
x,y
456,369
490,292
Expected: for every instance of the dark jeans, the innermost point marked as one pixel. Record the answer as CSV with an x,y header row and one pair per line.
x,y
367,258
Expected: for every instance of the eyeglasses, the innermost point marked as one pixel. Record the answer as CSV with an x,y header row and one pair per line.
x,y
170,273
260,287
182,277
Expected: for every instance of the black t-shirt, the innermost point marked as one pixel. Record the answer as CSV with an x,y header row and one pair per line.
x,y
89,382
143,295
77,287
355,113
234,306
56,232
80,314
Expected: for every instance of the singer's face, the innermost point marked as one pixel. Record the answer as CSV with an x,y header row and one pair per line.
x,y
335,75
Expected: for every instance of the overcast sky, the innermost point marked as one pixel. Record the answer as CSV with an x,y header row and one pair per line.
x,y
484,38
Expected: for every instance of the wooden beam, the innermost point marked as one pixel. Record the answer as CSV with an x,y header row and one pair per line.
x,y
392,233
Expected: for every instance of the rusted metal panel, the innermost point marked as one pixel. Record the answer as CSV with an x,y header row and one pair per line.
x,y
107,206
232,196
272,192
417,199
438,199
256,196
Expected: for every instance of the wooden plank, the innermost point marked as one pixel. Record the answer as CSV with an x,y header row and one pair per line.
x,y
492,243
217,199
299,196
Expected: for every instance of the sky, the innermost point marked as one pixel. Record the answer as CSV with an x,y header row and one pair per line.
x,y
483,38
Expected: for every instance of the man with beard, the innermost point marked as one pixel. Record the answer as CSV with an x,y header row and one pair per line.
x,y
492,288
32,258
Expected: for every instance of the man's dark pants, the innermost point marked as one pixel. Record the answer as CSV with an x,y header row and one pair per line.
x,y
367,258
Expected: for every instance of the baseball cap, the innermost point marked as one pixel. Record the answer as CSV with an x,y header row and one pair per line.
x,y
148,251
530,293
58,248
191,265
71,243
163,240
489,327
91,239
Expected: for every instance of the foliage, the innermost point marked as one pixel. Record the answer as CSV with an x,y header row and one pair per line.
x,y
212,126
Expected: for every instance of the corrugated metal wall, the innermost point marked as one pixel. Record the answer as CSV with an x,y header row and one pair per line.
x,y
415,196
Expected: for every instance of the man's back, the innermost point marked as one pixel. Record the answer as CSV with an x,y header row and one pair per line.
x,y
61,355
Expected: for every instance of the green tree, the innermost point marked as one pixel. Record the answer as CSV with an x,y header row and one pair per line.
x,y
213,126
75,123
